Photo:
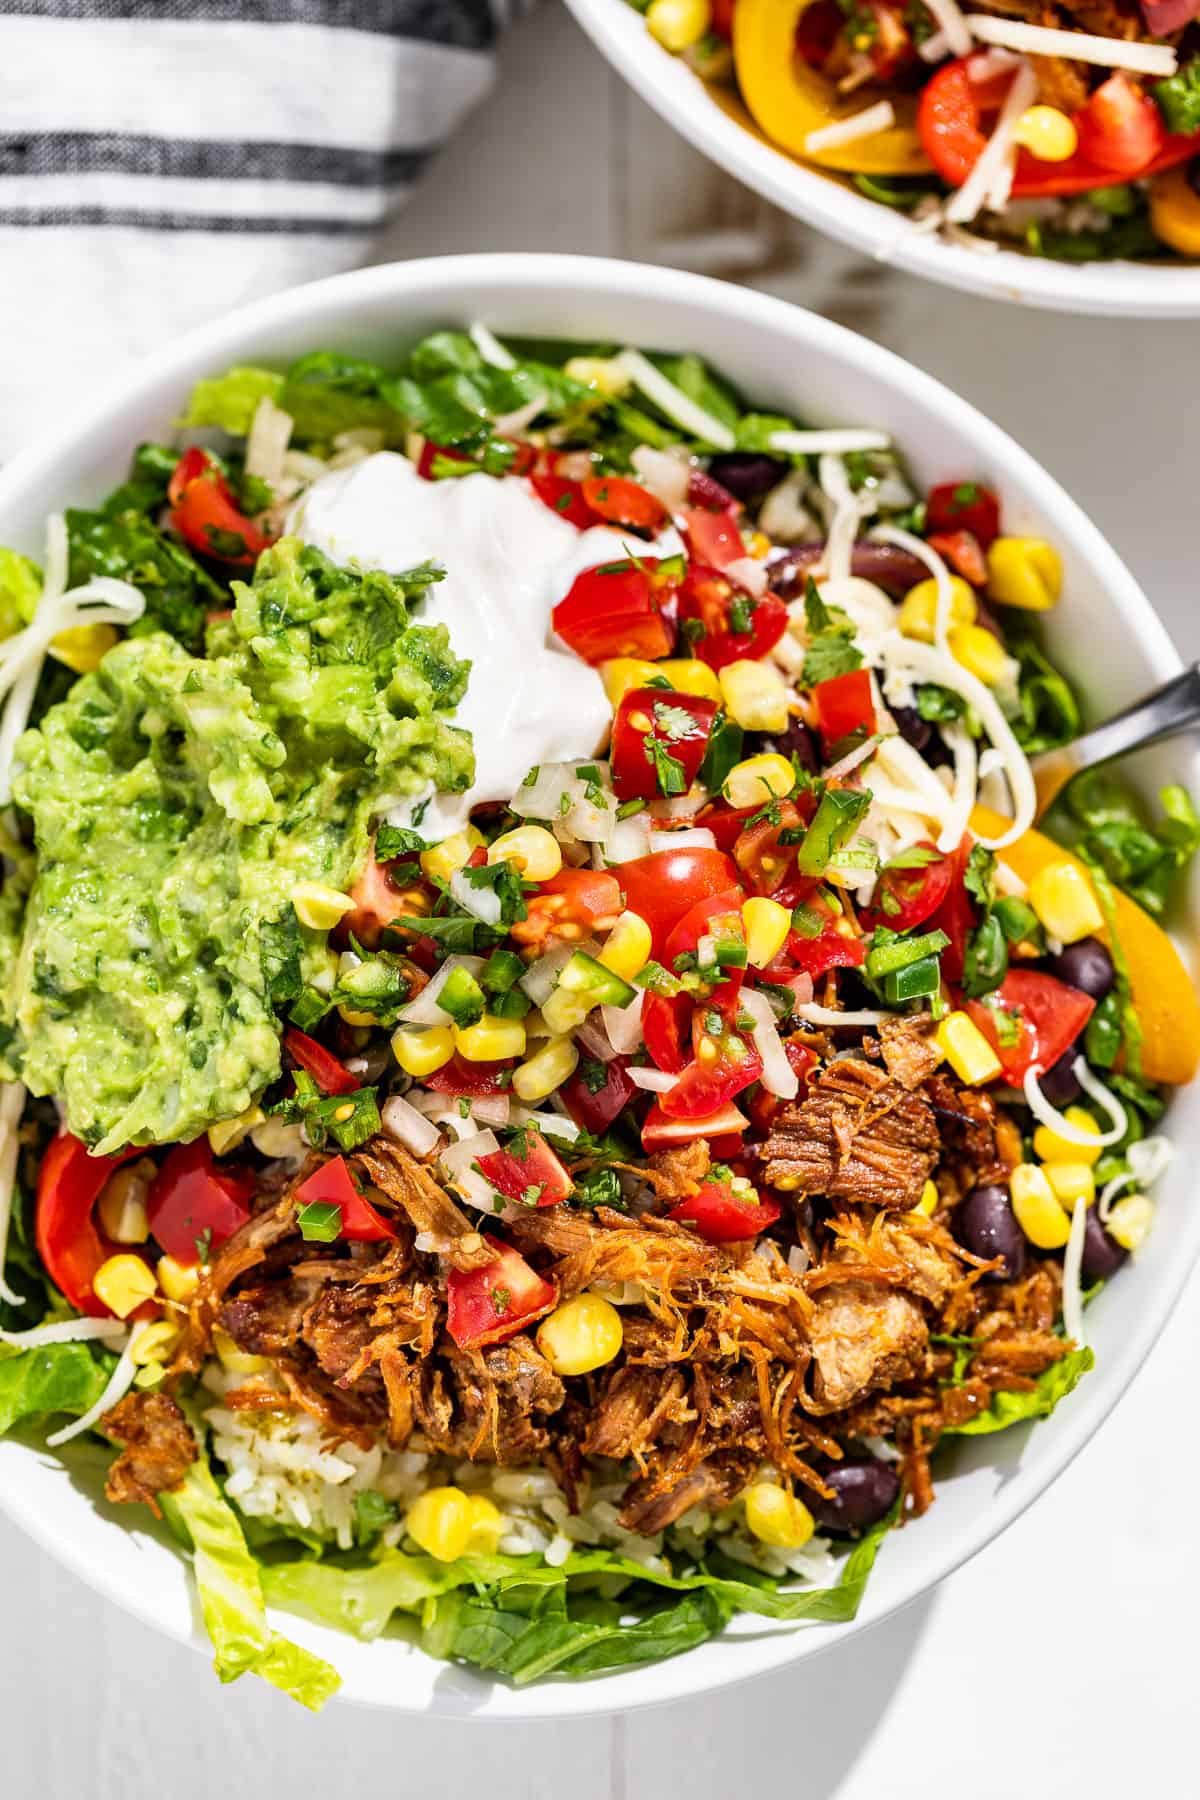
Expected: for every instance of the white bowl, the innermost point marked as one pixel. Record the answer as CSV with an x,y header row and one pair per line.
x,y
790,361
727,135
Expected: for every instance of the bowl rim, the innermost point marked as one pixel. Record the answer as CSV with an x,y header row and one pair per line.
x,y
599,279
1104,289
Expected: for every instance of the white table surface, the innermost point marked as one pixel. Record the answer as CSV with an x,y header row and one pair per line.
x,y
1061,1661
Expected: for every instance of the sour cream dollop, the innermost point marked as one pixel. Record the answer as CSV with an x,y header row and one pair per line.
x,y
509,560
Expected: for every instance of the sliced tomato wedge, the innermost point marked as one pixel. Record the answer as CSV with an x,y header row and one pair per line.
x,y
696,923
719,1216
485,1306
333,1185
70,1182
430,451
660,1132
725,1063
663,886
623,502
765,851
955,506
378,903
616,609
954,913
192,1202
713,536
1031,1020
726,822
667,1030
586,897
1120,128
963,552
844,705
833,947
658,742
595,1107
562,496
527,1171
206,515
462,1079
331,1076
907,897
722,623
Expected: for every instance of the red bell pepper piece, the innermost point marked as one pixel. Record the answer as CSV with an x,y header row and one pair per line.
x,y
331,1076
69,1184
333,1185
190,1199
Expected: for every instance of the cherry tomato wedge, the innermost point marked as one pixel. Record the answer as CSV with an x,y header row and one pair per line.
x,y
616,610
956,506
586,897
696,923
595,1107
726,822
724,624
206,515
461,1079
663,886
763,1107
333,1185
1120,128
192,1203
331,1076
562,496
719,1216
765,852
963,552
831,947
659,1132
430,451
623,502
954,913
1045,1015
667,1030
725,1064
378,902
844,705
69,1184
527,1171
658,742
713,537
485,1306
907,897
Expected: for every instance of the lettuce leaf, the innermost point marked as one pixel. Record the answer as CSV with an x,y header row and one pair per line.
x,y
230,401
231,1597
55,1378
1013,1408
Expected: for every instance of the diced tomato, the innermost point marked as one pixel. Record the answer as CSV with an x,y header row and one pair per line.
x,y
662,887
562,496
817,30
724,1065
69,1184
667,1030
954,913
586,897
957,506
719,1216
713,604
964,553
907,897
844,705
726,822
461,1079
764,1107
333,1185
191,1199
1044,1017
623,502
430,450
658,742
721,19
527,1167
596,1109
659,1132
833,947
616,610
378,902
331,1076
206,515
1120,128
696,923
713,537
765,852
485,1306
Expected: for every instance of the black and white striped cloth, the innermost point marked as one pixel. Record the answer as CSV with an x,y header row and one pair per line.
x,y
162,161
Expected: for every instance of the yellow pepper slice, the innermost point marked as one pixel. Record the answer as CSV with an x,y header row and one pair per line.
x,y
1162,989
788,100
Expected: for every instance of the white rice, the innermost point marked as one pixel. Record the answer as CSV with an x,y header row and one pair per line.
x,y
282,1466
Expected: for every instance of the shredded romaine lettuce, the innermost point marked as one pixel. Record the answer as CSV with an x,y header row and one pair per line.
x,y
1013,1407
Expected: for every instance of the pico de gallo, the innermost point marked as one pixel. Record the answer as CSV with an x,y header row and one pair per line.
x,y
1070,131
645,1170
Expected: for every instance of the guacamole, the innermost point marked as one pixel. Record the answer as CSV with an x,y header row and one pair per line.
x,y
176,802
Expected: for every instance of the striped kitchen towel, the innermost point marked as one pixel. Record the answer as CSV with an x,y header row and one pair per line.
x,y
162,161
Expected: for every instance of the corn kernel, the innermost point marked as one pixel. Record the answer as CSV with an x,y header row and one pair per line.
x,y
966,1049
535,851
918,614
757,543
451,855
623,673
361,1021
419,1053
627,946
123,1282
927,1205
1052,1148
177,1280
121,1208
155,1342
318,906
1047,134
1072,1181
1024,572
488,1525
538,1076
755,695
767,925
678,24
490,1039
981,653
1038,1213
440,1521
689,675
227,1134
776,1517
83,647
235,1360
564,1012
1061,896
758,779
603,373
581,1334
1129,1221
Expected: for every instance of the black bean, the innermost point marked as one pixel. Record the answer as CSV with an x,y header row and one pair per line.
x,y
1086,966
1059,1083
863,1491
912,727
747,475
1102,1255
798,741
984,1224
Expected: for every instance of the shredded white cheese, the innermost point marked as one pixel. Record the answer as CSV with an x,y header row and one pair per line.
x,y
1078,46
954,26
837,443
847,131
490,347
679,407
962,748
848,508
65,1331
119,1383
1072,1292
812,1014
916,546
1047,1114
972,196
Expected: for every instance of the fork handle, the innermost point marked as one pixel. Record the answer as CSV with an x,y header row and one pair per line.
x,y
1170,709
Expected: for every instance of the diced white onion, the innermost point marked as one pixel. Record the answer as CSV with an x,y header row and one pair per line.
x,y
652,1081
812,1014
481,902
511,424
65,1331
541,978
1077,46
425,1010
778,1076
1072,1293
627,840
872,119
1046,1114
973,195
478,1191
678,406
457,1157
549,1124
402,1121
837,442
12,1105
679,806
700,838
798,1259
934,49
624,1025
663,475
750,574
851,760
119,1383
490,347
592,1037
491,1109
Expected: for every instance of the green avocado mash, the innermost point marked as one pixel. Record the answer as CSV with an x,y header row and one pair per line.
x,y
176,801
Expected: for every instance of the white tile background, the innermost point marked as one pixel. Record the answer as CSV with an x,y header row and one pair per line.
x,y
1062,1661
